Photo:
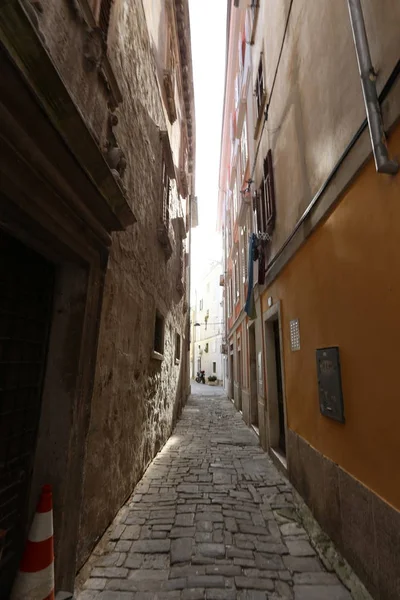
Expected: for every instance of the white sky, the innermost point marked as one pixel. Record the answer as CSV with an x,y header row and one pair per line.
x,y
208,33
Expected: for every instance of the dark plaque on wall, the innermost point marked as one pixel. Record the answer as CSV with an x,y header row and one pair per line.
x,y
330,383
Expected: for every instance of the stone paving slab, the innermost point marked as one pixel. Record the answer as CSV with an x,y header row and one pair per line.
x,y
211,519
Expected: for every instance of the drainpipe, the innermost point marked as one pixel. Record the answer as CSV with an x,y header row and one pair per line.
x,y
383,163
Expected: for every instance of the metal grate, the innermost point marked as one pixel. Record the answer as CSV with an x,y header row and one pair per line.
x,y
26,284
294,335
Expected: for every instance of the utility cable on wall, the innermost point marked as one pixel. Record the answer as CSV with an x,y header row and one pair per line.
x,y
270,95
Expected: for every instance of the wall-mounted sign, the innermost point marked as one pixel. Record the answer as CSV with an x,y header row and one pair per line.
x,y
330,383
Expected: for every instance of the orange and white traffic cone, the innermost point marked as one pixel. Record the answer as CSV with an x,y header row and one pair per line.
x,y
35,578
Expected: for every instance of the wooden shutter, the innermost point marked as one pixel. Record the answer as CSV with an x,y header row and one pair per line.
x,y
269,191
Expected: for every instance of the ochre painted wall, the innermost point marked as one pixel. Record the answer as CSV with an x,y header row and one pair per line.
x,y
344,287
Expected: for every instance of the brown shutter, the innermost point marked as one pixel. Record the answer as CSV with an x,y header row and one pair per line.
x,y
270,189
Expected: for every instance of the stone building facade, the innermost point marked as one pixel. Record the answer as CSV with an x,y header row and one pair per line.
x,y
97,175
311,302
208,325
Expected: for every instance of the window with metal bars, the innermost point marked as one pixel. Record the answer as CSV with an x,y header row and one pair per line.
x,y
166,196
244,254
264,199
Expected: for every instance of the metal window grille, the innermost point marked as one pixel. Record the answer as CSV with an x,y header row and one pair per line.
x,y
166,197
294,335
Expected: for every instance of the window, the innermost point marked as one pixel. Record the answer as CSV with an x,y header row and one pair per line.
x,y
230,296
236,273
235,200
201,305
177,348
234,283
214,367
260,90
229,236
243,146
166,195
244,254
237,89
264,199
104,16
158,345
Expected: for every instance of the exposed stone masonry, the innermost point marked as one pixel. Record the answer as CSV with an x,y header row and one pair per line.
x,y
212,518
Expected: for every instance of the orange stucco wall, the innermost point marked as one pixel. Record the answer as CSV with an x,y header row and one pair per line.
x,y
344,287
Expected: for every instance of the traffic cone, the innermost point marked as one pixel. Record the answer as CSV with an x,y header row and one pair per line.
x,y
35,578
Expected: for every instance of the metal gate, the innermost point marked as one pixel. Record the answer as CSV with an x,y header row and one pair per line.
x,y
26,290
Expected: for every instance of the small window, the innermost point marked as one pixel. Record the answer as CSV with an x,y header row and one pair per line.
x,y
201,305
104,17
159,334
214,367
177,348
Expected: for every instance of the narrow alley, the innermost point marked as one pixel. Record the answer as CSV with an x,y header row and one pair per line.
x,y
212,518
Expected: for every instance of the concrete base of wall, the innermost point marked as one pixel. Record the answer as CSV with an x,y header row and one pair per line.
x,y
246,406
262,423
229,388
237,396
364,528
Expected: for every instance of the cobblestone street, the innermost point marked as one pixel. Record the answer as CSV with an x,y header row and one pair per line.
x,y
212,518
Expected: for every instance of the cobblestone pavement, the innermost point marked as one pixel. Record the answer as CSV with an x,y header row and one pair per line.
x,y
212,518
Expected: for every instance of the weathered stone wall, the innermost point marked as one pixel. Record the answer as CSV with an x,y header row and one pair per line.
x,y
136,397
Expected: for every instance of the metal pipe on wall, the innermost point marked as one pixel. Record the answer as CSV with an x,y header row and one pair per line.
x,y
383,163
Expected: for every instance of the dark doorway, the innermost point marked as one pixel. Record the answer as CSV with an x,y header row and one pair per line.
x,y
26,291
253,377
279,387
239,379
